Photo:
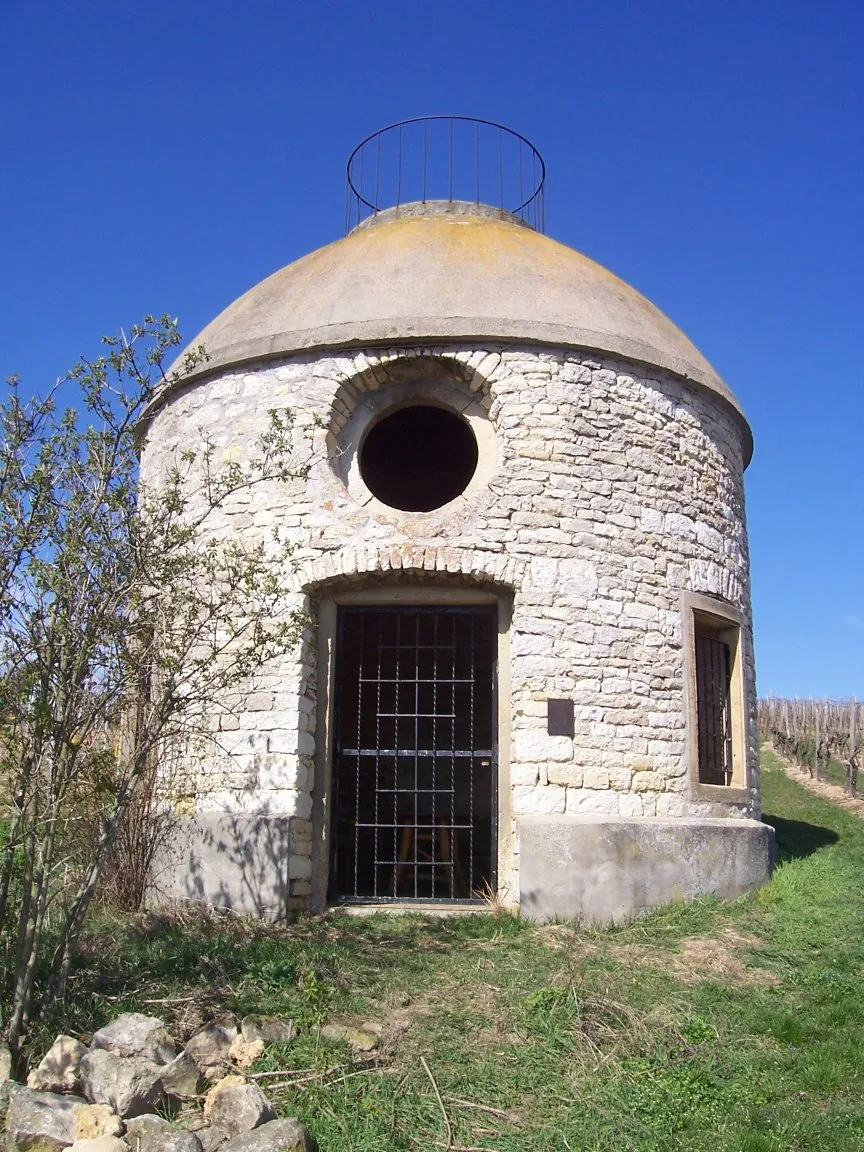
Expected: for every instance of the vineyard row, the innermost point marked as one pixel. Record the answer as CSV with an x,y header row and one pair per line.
x,y
813,733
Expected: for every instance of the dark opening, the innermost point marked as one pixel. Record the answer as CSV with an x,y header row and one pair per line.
x,y
713,706
414,807
419,458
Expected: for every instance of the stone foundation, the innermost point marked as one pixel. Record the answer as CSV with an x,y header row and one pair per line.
x,y
601,871
241,863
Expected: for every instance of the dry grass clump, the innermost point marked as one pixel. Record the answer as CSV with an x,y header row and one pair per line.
x,y
700,958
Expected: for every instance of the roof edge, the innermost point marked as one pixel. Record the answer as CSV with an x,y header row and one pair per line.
x,y
337,337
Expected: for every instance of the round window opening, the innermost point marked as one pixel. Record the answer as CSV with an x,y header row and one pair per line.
x,y
419,458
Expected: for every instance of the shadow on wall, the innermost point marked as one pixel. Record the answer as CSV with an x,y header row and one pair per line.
x,y
795,838
230,861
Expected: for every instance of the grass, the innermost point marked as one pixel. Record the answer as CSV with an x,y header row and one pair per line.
x,y
715,1025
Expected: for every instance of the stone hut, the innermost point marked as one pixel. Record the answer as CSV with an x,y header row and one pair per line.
x,y
522,543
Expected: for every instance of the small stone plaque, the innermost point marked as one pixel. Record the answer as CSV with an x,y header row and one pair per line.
x,y
559,718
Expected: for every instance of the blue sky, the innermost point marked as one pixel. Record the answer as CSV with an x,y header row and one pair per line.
x,y
166,156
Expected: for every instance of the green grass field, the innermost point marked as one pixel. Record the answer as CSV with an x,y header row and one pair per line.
x,y
710,1026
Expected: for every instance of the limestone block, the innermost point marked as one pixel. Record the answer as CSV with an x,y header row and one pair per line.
x,y
543,574
285,719
651,520
299,868
570,775
709,537
595,778
630,805
648,782
530,644
612,684
547,799
258,702
620,779
524,773
580,800
278,769
535,746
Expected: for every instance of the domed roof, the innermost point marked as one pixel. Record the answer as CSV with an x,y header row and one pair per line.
x,y
444,271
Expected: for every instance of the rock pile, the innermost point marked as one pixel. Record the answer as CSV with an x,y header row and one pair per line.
x,y
105,1098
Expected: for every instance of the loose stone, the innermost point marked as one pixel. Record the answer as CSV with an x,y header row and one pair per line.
x,y
100,1144
133,1034
182,1077
211,1138
60,1067
171,1141
278,1136
236,1106
93,1120
270,1029
358,1038
143,1128
244,1052
40,1120
129,1084
212,1045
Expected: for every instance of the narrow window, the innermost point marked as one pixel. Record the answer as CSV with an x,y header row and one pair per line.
x,y
718,722
713,705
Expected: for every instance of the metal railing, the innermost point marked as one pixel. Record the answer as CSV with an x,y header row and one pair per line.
x,y
449,158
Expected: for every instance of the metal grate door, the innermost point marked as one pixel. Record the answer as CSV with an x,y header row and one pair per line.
x,y
714,716
414,774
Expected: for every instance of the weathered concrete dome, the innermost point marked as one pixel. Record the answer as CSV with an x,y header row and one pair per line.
x,y
448,271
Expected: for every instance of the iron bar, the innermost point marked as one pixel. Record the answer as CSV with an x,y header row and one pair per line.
x,y
500,169
477,160
399,170
425,132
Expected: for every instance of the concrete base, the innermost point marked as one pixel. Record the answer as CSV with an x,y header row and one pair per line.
x,y
235,862
598,869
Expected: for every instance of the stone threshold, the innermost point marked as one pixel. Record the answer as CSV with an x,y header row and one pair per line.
x,y
440,909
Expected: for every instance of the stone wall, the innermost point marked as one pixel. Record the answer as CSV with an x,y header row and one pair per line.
x,y
607,489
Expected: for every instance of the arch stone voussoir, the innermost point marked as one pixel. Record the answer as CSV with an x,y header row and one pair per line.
x,y
355,566
374,371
